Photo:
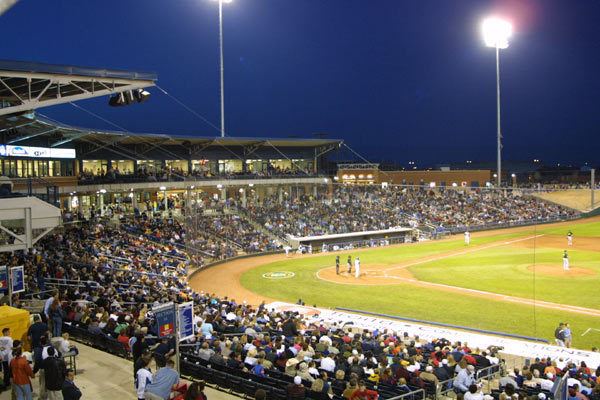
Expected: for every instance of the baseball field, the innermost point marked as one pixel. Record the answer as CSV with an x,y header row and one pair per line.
x,y
509,280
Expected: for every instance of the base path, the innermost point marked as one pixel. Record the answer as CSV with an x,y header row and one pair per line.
x,y
224,279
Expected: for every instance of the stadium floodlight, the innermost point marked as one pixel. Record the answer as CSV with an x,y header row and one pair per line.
x,y
222,68
496,33
128,97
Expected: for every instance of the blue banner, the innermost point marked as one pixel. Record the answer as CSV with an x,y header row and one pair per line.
x,y
165,319
186,320
17,279
3,278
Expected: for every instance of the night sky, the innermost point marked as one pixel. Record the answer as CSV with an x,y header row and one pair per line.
x,y
396,79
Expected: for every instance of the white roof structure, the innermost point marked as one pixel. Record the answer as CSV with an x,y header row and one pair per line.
x,y
26,86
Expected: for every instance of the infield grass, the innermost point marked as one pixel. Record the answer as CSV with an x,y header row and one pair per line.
x,y
494,266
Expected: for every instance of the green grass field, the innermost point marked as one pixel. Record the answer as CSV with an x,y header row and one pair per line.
x,y
515,269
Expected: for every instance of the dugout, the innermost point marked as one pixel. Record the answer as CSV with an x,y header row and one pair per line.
x,y
353,239
17,320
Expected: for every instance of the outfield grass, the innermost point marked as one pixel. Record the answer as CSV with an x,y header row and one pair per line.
x,y
499,269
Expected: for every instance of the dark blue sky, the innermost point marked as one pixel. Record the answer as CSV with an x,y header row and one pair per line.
x,y
396,79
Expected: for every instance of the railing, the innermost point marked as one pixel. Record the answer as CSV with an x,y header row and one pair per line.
x,y
190,178
70,283
512,224
414,395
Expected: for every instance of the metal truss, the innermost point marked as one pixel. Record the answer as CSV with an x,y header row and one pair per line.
x,y
24,91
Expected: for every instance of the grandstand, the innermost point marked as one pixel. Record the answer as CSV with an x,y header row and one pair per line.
x,y
257,270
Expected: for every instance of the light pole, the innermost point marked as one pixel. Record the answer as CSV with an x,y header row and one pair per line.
x,y
222,72
495,34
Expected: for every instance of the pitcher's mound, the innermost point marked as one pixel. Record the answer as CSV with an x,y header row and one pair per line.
x,y
557,270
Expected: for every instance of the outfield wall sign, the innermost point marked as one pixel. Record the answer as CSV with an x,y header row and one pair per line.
x,y
279,275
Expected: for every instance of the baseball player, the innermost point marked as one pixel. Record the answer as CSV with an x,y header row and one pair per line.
x,y
565,261
467,238
356,267
349,264
570,238
337,265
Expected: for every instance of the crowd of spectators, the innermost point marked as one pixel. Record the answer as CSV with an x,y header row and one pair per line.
x,y
170,174
367,208
106,279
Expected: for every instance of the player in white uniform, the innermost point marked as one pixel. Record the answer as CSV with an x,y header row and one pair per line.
x,y
356,267
565,261
570,238
467,237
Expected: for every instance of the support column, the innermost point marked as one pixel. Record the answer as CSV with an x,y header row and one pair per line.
x,y
243,197
280,194
224,194
101,204
70,204
165,201
315,191
134,204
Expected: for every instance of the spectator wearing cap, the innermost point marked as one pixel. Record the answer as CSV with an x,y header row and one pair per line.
x,y
464,379
429,376
296,390
442,371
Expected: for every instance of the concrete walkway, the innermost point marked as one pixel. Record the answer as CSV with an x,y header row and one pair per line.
x,y
104,376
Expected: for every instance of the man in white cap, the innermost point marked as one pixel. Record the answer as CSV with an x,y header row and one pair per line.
x,y
296,390
428,375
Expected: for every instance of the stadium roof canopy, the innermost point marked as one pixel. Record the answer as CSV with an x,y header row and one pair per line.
x,y
25,127
25,86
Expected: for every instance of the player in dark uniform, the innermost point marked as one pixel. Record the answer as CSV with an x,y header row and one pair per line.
x,y
349,264
337,265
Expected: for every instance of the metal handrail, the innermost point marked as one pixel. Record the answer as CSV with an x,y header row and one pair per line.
x,y
410,395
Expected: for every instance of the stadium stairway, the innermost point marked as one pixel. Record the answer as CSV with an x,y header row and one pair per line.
x,y
243,214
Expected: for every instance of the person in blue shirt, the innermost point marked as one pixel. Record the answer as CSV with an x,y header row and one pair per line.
x,y
164,381
464,379
567,334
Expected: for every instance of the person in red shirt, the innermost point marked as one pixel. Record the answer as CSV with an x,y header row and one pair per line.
x,y
21,373
362,393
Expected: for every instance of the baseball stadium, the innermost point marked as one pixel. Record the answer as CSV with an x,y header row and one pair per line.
x,y
178,260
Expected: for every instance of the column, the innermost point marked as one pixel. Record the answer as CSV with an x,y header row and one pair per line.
x,y
101,204
243,197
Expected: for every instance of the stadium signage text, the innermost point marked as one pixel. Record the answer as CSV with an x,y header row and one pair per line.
x,y
35,152
279,275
